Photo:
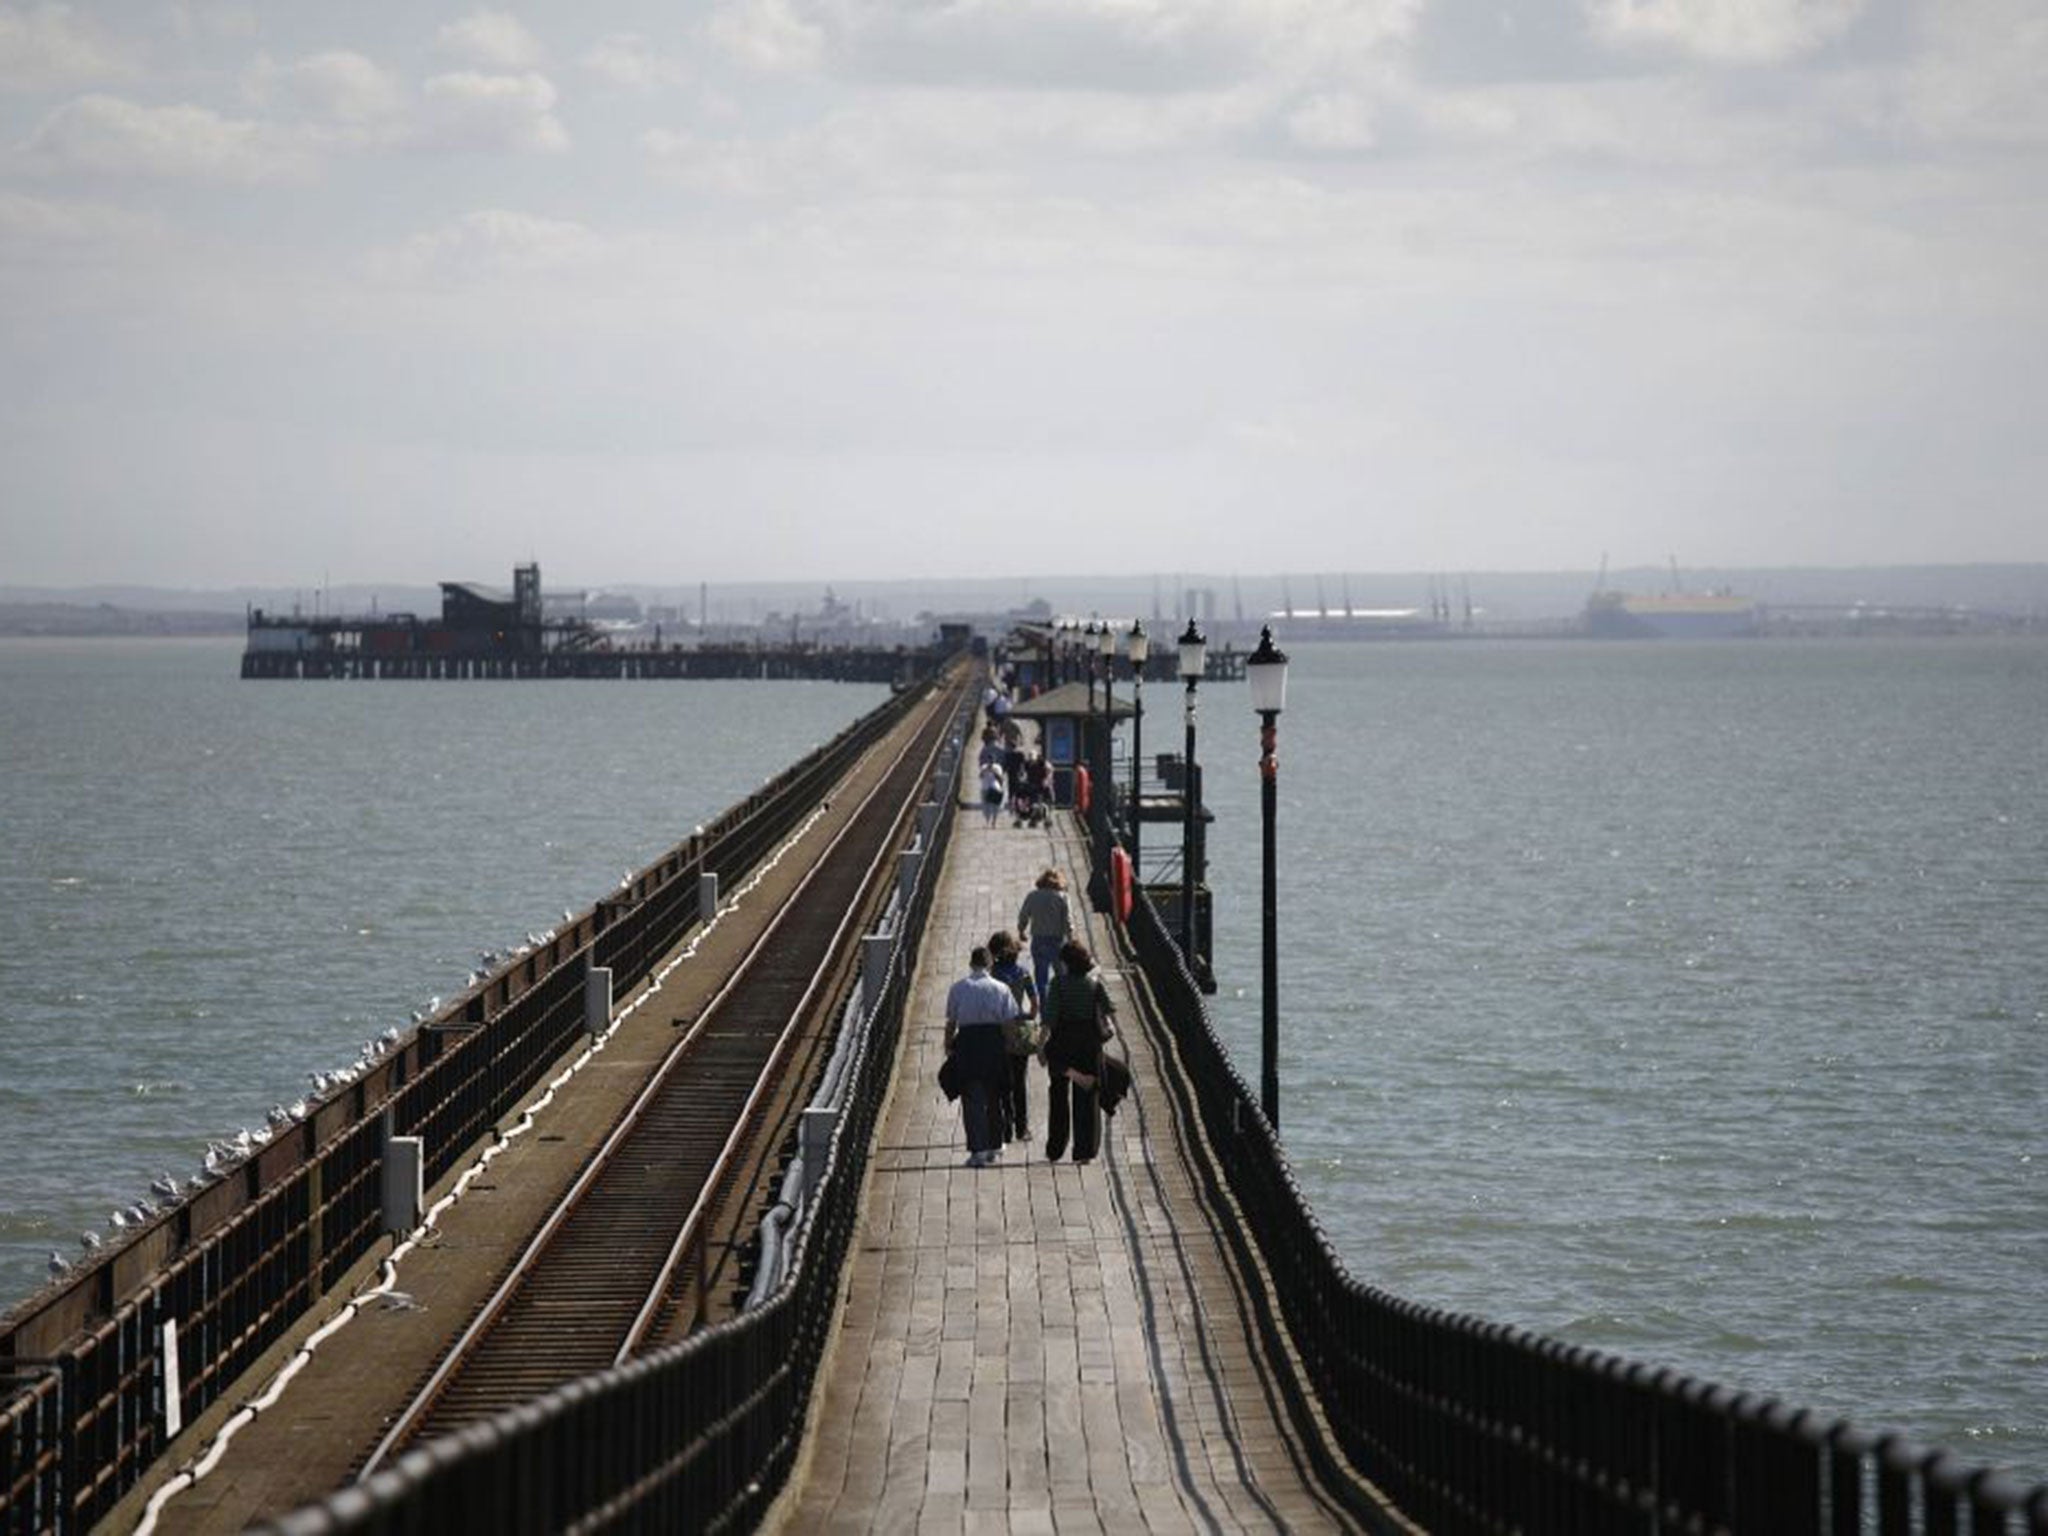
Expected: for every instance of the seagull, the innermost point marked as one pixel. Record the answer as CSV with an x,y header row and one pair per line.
x,y
296,1109
567,916
244,1142
433,1005
320,1080
140,1212
276,1118
260,1136
196,1183
418,1016
163,1184
390,1036
89,1241
119,1221
59,1265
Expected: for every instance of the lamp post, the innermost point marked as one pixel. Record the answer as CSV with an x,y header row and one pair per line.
x,y
1105,647
1265,670
1194,654
1139,647
1087,657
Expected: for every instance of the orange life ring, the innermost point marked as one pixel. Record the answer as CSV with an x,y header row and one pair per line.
x,y
1120,879
1082,790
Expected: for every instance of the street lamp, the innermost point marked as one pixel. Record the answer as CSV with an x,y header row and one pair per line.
x,y
1139,646
1105,647
1266,671
1088,659
1194,655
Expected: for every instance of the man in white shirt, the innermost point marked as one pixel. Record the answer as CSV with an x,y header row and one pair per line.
x,y
976,1007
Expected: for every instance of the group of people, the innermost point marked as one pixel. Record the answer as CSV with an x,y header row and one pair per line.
x,y
1000,1017
1011,776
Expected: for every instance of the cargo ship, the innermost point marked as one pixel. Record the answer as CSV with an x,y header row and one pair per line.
x,y
1672,615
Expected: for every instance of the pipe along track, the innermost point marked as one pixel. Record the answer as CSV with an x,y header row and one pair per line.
x,y
608,1267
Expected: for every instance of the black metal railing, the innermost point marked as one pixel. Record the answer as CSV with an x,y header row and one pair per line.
x,y
1467,1425
700,1435
228,1272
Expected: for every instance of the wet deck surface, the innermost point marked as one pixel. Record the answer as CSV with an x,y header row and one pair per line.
x,y
1040,1347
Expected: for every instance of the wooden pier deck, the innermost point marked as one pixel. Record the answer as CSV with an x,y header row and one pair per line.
x,y
1042,1347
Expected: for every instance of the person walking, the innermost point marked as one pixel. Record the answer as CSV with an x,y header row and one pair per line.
x,y
1003,950
994,788
1080,1015
1046,920
976,1006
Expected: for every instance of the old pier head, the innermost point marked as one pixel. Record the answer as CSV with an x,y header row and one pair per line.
x,y
662,1224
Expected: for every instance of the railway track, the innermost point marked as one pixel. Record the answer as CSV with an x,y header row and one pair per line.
x,y
617,1260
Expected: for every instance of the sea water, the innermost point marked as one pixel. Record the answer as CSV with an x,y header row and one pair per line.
x,y
211,888
1684,1000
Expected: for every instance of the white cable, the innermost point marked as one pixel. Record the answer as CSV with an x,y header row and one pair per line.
x,y
387,1274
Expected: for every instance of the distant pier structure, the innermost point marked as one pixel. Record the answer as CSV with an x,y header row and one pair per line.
x,y
486,632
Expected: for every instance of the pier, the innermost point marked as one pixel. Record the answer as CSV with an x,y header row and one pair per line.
x,y
794,1307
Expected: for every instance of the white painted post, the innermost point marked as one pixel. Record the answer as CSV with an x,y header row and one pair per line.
x,y
814,1133
404,1183
174,1389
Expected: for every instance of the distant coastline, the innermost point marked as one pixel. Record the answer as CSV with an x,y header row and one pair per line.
x,y
79,621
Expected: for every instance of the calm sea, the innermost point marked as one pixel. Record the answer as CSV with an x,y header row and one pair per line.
x,y
210,888
1684,1000
1689,1001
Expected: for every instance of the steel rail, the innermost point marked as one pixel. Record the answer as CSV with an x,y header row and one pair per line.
x,y
709,1195
659,1080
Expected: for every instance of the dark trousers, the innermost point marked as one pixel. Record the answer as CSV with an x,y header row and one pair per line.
x,y
985,1070
1016,1101
1061,1092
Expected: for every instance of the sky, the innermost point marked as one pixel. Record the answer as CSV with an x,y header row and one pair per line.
x,y
818,289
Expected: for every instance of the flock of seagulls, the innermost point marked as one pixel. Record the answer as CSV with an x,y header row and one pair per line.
x,y
165,1191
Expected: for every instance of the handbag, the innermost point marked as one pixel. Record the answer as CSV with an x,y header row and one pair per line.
x,y
1024,1035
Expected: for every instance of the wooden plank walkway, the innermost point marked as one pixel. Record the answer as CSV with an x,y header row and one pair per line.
x,y
1040,1347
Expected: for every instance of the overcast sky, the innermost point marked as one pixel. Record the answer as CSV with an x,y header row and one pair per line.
x,y
862,288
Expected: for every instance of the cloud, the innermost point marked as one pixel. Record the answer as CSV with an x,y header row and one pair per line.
x,y
1127,45
337,86
1333,122
767,35
493,40
32,225
629,61
1724,31
49,48
491,113
487,244
108,136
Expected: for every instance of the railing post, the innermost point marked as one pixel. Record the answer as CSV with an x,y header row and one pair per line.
x,y
907,866
707,896
597,999
404,1183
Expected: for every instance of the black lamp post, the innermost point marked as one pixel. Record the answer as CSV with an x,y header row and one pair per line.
x,y
1088,659
1194,655
1139,646
1266,672
1105,647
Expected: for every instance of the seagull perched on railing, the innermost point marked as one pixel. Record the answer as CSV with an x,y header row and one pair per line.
x,y
320,1080
118,1221
276,1118
59,1265
163,1184
390,1036
89,1241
